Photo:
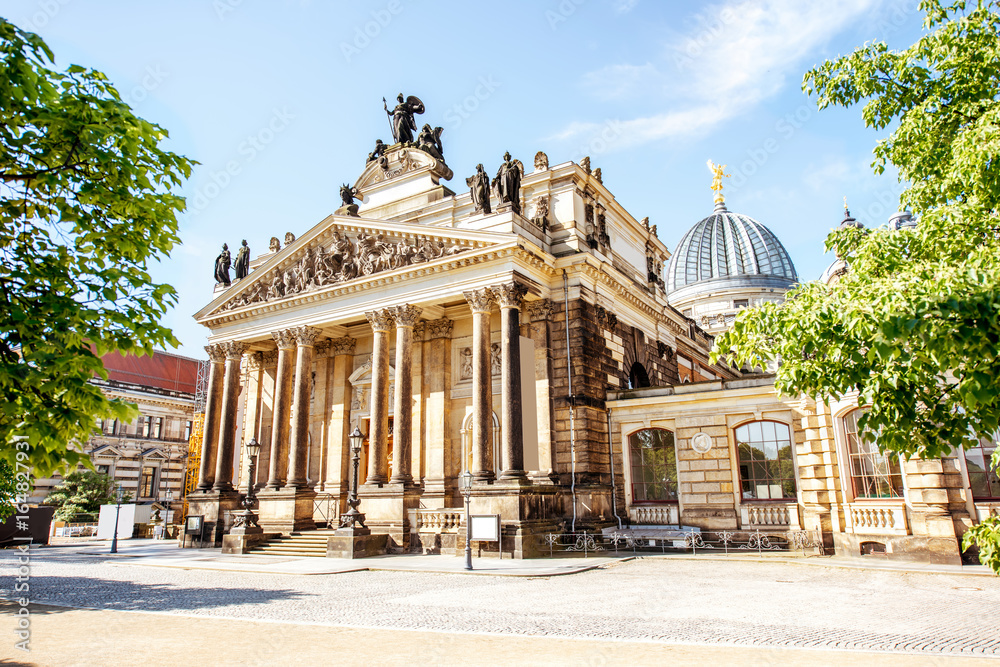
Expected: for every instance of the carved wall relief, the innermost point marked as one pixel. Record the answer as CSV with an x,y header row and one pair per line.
x,y
345,259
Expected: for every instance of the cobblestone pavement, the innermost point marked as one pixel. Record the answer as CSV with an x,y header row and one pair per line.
x,y
711,602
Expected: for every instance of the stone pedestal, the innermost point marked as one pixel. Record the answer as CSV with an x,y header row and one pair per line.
x,y
286,510
385,508
214,507
241,543
710,517
527,513
355,542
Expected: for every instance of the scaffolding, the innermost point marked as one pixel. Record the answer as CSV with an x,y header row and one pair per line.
x,y
197,434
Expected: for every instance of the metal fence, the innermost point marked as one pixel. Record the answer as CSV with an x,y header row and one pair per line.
x,y
694,542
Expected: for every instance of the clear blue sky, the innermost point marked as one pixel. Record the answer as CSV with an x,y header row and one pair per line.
x,y
291,94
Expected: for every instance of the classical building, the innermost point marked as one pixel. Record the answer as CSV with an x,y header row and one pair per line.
x,y
523,330
147,457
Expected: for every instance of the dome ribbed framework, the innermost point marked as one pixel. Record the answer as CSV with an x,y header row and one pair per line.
x,y
728,245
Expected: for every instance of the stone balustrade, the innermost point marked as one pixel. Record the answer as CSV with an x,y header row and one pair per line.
x,y
437,520
878,518
765,515
654,515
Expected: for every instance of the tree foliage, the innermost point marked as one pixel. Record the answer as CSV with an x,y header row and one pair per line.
x,y
914,325
82,492
86,203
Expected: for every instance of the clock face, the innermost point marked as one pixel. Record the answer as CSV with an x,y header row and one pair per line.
x,y
701,442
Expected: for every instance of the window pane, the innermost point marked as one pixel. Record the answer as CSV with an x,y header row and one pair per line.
x,y
654,465
766,469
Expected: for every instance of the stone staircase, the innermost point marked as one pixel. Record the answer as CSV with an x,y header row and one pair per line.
x,y
310,543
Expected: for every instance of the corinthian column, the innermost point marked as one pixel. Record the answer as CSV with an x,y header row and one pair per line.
x,y
278,465
378,436
509,296
481,303
210,427
305,337
402,429
227,421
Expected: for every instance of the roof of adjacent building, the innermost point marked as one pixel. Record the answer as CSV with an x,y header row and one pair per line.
x,y
729,247
162,370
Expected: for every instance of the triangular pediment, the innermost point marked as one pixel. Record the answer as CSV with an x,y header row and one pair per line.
x,y
342,250
107,451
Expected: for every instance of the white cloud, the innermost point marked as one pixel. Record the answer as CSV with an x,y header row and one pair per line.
x,y
625,6
616,81
739,53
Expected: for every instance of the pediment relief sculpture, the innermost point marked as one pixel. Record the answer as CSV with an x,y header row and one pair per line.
x,y
346,259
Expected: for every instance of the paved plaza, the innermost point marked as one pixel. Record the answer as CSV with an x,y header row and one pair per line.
x,y
623,611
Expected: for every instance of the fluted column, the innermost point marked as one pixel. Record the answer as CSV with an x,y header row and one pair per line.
x,y
378,435
213,408
481,303
278,465
509,296
227,420
305,337
402,430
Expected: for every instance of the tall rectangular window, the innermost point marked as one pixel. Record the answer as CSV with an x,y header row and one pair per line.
x,y
188,428
766,468
147,482
158,429
873,474
653,462
983,477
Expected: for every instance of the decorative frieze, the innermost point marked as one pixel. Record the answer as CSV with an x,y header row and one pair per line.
x,y
345,259
606,319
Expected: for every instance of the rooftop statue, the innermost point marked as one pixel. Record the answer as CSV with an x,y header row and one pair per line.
x,y
401,117
242,265
378,152
507,183
717,176
222,263
479,188
429,141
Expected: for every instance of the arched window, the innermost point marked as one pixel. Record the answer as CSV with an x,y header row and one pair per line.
x,y
873,474
637,376
983,477
767,471
654,465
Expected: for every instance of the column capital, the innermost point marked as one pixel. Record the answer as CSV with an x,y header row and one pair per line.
x,y
255,361
381,320
438,329
234,349
217,352
481,301
284,338
539,310
509,295
305,335
405,315
343,345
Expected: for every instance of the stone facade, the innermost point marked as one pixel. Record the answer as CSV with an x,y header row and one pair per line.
x,y
490,346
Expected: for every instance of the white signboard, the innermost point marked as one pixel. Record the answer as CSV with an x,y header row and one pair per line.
x,y
106,522
485,527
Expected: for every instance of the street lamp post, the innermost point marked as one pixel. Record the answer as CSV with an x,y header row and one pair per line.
x,y
247,519
118,509
466,487
353,516
166,511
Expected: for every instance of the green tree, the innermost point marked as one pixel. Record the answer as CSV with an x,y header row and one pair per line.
x,y
82,492
8,489
914,325
86,203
